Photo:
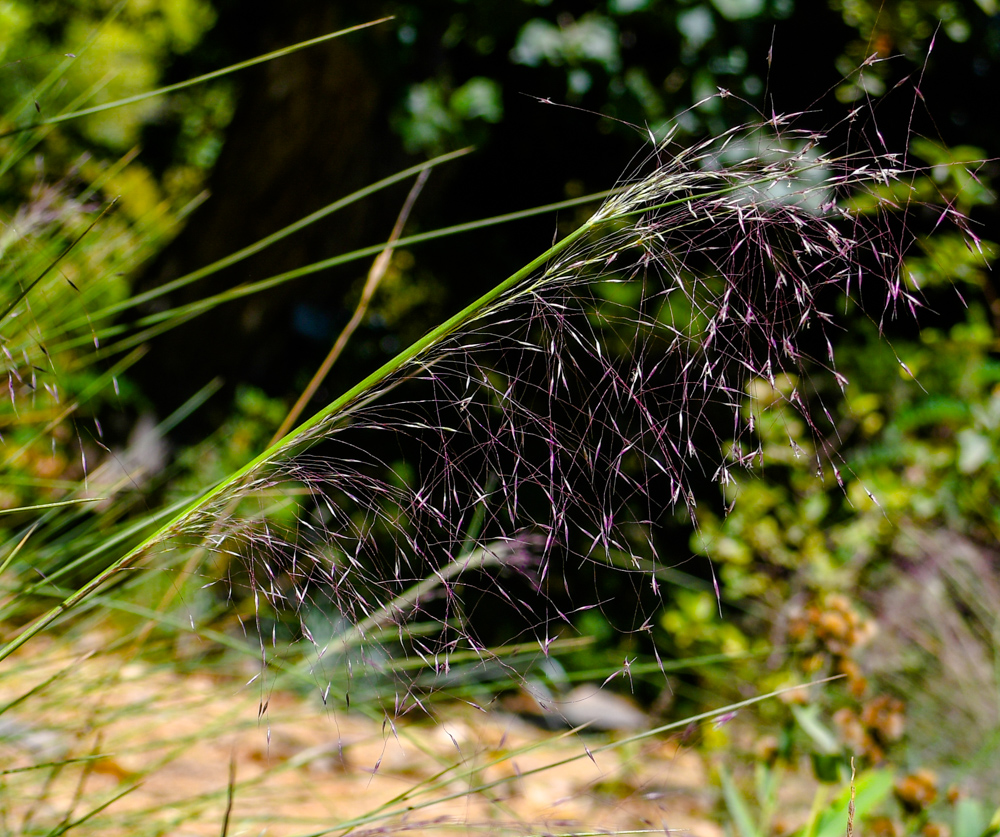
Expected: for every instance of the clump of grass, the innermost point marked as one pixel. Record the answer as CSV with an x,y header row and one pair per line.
x,y
709,276
552,424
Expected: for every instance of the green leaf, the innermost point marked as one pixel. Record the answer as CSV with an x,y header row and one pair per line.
x,y
825,741
970,819
736,806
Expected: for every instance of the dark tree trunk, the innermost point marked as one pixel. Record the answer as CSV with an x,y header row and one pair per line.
x,y
308,128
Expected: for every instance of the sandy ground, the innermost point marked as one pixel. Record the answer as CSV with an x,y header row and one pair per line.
x,y
157,749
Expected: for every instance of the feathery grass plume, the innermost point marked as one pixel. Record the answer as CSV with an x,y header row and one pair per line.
x,y
557,420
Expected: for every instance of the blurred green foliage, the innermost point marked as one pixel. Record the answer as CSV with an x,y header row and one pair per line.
x,y
82,53
67,55
58,182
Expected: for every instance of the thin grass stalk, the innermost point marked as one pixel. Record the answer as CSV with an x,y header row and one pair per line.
x,y
491,554
372,282
191,82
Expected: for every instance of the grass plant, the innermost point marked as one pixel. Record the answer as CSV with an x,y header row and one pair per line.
x,y
552,424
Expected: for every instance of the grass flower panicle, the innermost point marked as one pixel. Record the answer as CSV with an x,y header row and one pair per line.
x,y
573,408
568,412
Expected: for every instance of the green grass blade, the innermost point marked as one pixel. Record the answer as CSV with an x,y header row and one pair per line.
x,y
182,85
54,505
163,321
736,806
267,241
